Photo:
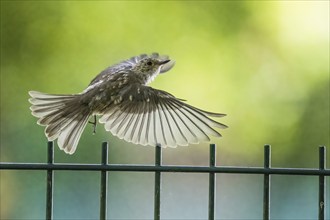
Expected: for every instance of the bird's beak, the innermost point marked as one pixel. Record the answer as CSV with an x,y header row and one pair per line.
x,y
166,65
164,61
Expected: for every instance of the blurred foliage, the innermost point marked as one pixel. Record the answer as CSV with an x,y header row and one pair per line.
x,y
265,64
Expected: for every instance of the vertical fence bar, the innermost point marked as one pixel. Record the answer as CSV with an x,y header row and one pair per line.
x,y
50,177
158,162
322,184
104,182
212,183
267,161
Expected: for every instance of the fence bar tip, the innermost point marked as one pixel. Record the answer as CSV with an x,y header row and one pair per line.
x,y
212,155
105,153
267,164
322,183
104,182
158,155
50,152
212,180
158,162
50,178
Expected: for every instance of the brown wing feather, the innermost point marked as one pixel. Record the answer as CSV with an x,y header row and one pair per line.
x,y
150,116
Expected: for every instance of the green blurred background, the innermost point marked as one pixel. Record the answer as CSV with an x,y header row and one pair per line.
x,y
265,64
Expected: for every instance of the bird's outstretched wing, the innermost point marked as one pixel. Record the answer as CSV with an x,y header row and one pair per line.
x,y
147,116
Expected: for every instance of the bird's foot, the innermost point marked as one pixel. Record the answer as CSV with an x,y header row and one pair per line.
x,y
94,124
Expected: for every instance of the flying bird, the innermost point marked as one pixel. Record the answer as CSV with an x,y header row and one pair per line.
x,y
128,108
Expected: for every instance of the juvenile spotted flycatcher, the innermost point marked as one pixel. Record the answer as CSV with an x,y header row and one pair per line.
x,y
127,107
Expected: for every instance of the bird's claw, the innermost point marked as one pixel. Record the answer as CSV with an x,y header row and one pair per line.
x,y
94,124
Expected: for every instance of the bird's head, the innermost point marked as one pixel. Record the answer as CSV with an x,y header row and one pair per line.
x,y
148,67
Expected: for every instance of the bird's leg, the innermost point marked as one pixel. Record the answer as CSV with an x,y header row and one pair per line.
x,y
94,124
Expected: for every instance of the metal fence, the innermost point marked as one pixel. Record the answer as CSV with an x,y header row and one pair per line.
x,y
267,171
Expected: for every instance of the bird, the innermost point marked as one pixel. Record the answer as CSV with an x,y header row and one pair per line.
x,y
128,108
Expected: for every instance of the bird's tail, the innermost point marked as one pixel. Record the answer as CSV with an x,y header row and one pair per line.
x,y
63,115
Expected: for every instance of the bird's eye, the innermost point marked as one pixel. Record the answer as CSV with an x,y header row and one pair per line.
x,y
149,63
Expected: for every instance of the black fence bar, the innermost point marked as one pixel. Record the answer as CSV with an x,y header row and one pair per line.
x,y
50,177
158,168
158,163
267,161
164,168
104,182
322,190
212,183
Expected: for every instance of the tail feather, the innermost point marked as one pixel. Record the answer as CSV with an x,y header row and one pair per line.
x,y
69,137
63,116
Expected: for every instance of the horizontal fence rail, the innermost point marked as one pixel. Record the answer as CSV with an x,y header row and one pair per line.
x,y
164,168
158,168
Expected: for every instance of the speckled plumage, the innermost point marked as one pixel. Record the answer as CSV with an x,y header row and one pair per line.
x,y
128,107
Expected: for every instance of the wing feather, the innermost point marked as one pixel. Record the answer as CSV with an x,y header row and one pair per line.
x,y
180,138
151,134
137,129
142,126
129,130
185,124
151,116
160,127
168,126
